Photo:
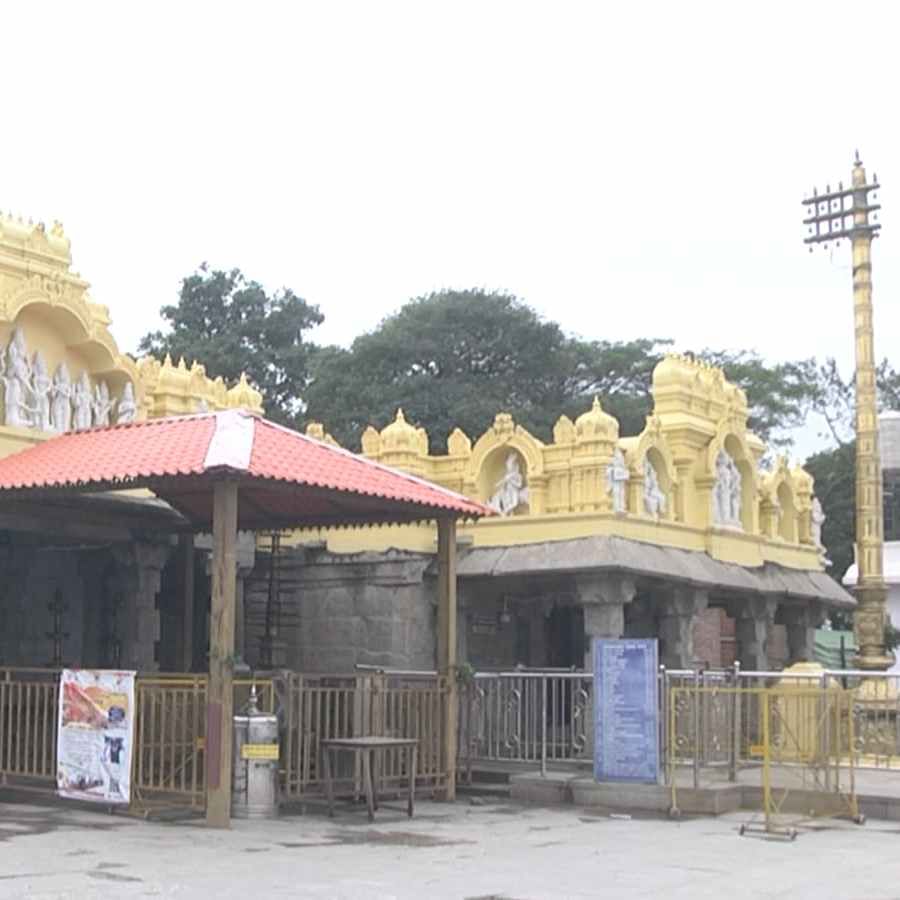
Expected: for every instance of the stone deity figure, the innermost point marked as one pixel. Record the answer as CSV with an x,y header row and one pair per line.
x,y
816,521
654,497
510,491
727,491
61,404
101,404
734,492
82,403
617,481
17,382
41,389
127,410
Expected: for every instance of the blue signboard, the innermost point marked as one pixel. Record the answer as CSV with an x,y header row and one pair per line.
x,y
626,710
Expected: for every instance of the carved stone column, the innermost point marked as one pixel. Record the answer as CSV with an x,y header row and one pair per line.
x,y
801,623
754,616
676,626
140,568
603,598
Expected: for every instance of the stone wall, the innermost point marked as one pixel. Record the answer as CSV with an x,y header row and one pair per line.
x,y
339,610
88,583
31,578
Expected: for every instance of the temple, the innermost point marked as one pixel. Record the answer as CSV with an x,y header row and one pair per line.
x,y
81,579
687,531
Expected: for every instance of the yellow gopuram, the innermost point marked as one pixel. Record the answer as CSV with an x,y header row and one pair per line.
x,y
685,526
61,366
692,479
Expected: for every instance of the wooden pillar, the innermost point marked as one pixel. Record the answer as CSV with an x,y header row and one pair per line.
x,y
186,582
220,698
447,644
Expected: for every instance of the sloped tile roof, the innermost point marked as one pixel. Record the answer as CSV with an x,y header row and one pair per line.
x,y
286,477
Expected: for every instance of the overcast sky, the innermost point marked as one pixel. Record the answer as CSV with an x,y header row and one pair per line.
x,y
628,170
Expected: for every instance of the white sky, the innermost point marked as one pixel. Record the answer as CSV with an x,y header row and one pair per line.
x,y
628,170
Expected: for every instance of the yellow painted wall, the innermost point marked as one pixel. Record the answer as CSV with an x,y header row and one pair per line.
x,y
696,414
51,304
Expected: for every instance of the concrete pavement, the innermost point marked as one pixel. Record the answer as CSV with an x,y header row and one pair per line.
x,y
457,851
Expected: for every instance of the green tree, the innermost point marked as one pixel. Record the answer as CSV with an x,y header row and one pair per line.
x,y
834,469
456,358
778,396
449,359
835,486
231,325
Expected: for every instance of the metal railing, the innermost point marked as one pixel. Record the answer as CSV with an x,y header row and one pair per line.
x,y
525,716
170,730
544,717
29,709
322,707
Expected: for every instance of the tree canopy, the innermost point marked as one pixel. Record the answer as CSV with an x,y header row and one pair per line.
x,y
231,325
457,358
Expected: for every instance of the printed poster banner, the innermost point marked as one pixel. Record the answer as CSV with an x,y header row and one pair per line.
x,y
95,738
626,710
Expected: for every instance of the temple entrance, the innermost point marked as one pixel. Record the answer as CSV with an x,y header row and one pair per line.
x,y
565,638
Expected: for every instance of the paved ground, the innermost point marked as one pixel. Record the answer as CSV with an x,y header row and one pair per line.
x,y
454,851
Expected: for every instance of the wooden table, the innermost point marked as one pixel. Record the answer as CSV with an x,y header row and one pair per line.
x,y
366,748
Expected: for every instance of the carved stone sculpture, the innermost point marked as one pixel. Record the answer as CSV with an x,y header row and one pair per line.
x,y
817,520
41,385
127,409
17,383
510,491
654,496
727,491
617,481
101,404
82,411
61,403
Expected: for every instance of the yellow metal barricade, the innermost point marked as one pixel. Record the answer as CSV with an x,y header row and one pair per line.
x,y
792,745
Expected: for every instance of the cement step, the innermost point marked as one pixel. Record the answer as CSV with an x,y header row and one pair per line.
x,y
488,790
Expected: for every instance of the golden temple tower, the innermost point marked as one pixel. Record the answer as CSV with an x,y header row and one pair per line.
x,y
834,215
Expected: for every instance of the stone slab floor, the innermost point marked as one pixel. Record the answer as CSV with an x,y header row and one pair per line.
x,y
459,851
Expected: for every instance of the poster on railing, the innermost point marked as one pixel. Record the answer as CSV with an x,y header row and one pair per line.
x,y
626,710
95,737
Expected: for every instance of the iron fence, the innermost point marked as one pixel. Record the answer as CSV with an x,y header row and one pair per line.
x,y
323,707
544,718
29,707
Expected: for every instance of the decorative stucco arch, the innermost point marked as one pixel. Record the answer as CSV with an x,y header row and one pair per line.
x,y
79,327
651,444
490,451
734,441
779,506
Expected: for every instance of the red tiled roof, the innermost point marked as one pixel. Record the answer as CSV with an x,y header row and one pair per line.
x,y
286,477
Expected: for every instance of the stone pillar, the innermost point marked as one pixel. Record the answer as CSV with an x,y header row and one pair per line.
x,y
185,580
754,616
603,598
801,623
641,617
463,605
676,626
140,568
